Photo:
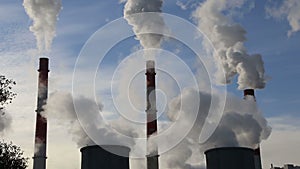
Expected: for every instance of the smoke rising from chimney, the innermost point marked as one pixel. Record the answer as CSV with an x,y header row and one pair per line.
x,y
44,14
149,23
289,10
228,39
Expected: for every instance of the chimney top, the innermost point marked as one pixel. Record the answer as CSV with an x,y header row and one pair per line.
x,y
44,65
150,67
249,92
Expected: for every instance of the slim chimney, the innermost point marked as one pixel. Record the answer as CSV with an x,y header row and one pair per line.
x,y
249,93
39,159
152,157
257,158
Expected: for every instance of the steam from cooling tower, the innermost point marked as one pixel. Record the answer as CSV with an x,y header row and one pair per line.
x,y
61,109
228,39
148,23
242,125
44,14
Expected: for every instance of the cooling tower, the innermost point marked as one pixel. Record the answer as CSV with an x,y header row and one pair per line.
x,y
96,157
39,159
230,158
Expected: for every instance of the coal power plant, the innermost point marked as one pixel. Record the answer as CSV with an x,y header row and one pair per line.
x,y
209,47
96,157
118,157
230,158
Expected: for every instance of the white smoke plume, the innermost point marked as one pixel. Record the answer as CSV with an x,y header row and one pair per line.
x,y
289,9
5,121
228,39
60,108
147,23
176,158
184,5
44,14
242,125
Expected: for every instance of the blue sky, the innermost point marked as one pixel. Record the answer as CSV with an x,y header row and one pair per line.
x,y
78,20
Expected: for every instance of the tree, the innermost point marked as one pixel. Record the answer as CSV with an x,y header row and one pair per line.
x,y
6,95
11,157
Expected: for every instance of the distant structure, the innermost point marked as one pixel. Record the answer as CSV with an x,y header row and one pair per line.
x,y
286,166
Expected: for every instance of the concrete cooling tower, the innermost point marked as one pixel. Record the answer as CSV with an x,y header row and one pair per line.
x,y
102,157
230,158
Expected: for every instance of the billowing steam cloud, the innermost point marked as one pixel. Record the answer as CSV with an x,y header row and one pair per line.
x,y
228,39
243,121
44,14
289,9
5,121
60,108
242,125
147,23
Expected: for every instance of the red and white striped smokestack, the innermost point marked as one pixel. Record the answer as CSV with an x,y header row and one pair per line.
x,y
152,158
250,94
39,159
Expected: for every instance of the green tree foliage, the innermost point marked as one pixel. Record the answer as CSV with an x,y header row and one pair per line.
x,y
6,95
11,156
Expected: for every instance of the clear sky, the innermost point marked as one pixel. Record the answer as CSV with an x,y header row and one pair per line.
x,y
267,34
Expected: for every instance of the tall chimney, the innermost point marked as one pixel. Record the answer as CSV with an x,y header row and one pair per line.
x,y
250,94
257,158
152,157
39,159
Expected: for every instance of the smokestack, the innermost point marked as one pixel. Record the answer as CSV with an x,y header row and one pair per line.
x,y
152,158
95,157
230,158
39,159
257,157
249,92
